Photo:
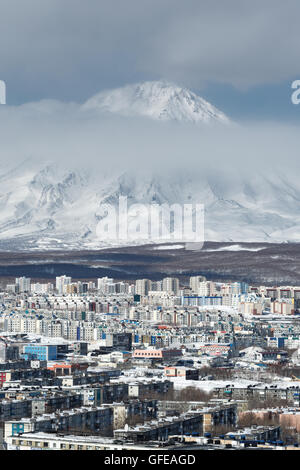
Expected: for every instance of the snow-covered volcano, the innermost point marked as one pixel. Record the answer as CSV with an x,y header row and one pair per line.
x,y
157,100
51,205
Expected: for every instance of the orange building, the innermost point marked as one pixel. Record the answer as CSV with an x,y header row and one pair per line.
x,y
159,354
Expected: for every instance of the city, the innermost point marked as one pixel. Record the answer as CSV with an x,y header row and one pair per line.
x,y
114,365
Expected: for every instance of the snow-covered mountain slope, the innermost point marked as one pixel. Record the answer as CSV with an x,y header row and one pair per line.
x,y
156,100
48,207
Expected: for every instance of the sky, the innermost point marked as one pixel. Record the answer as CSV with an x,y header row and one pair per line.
x,y
240,55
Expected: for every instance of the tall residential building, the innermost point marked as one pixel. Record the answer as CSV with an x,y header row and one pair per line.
x,y
206,288
102,284
171,285
23,284
62,282
195,282
142,286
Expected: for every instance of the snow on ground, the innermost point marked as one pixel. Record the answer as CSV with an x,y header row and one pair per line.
x,y
209,385
236,248
281,318
47,339
222,308
169,247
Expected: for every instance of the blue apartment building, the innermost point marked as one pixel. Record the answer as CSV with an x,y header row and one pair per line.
x,y
40,352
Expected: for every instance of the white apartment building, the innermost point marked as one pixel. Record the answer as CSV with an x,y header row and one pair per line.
x,y
171,285
62,282
102,282
206,289
39,288
23,284
195,282
142,286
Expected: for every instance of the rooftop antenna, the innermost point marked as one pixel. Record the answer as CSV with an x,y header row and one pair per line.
x,y
2,92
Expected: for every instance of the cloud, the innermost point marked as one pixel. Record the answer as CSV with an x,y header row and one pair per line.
x,y
75,137
69,49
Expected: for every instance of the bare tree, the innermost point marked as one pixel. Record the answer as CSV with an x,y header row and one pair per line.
x,y
189,394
